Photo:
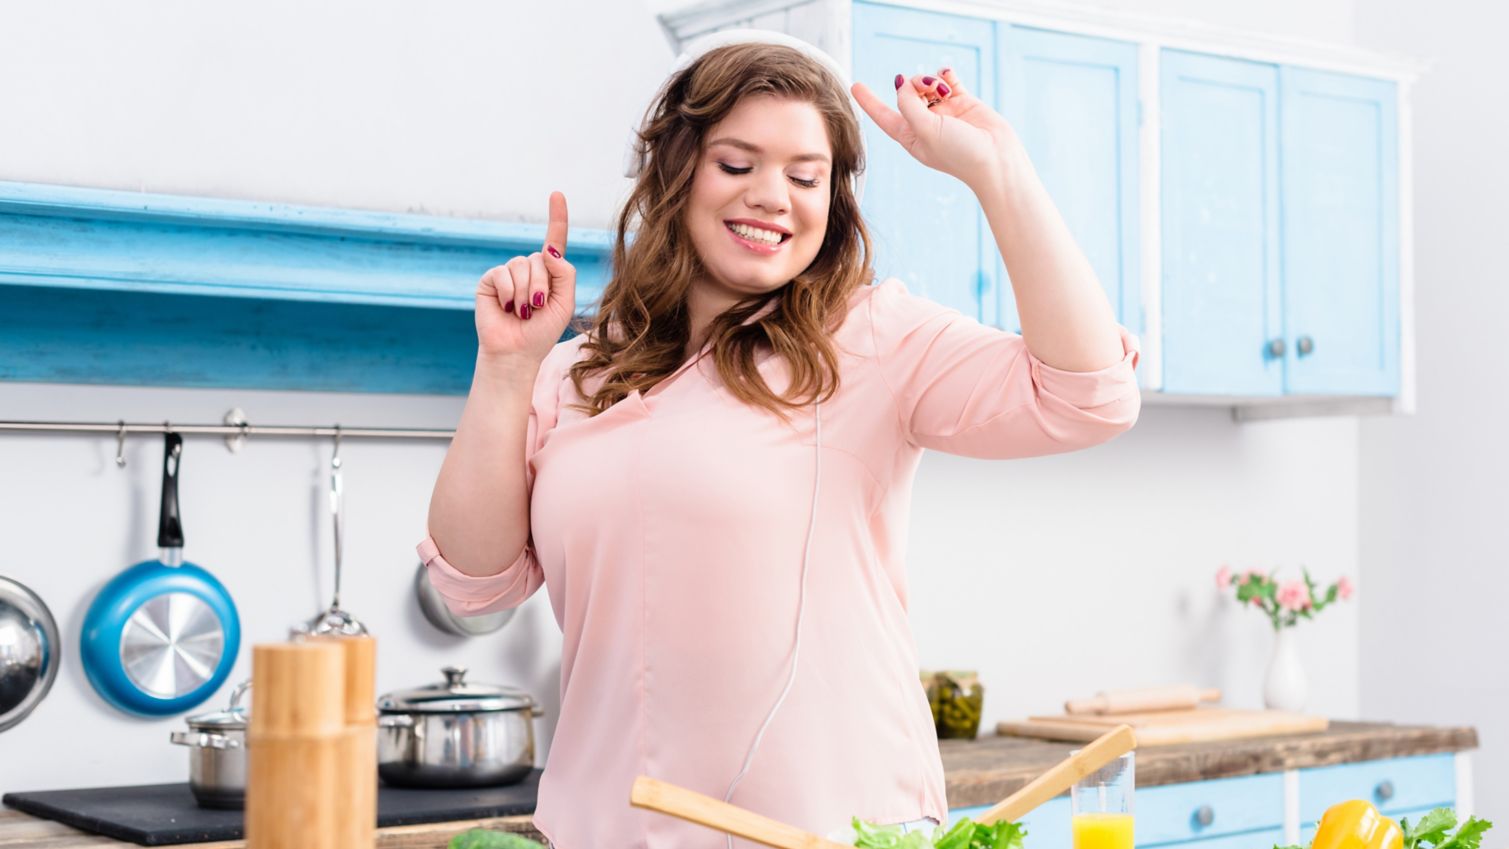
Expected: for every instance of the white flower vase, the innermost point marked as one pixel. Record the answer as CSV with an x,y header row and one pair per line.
x,y
1284,687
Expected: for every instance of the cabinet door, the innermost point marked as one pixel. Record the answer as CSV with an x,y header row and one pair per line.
x,y
1073,100
1221,812
1339,149
1398,786
927,227
1221,296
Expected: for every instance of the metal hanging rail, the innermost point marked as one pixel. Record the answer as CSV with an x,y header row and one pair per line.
x,y
235,429
229,430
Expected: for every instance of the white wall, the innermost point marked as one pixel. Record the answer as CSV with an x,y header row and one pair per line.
x,y
1433,537
1055,576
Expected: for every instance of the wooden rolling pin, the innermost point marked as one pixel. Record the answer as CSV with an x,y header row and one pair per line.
x,y
1179,697
293,745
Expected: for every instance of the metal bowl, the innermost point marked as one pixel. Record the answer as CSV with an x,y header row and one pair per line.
x,y
441,616
30,650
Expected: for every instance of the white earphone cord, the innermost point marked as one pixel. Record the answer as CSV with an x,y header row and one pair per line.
x,y
801,603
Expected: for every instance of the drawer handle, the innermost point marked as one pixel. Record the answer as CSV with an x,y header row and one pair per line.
x,y
1204,816
1385,790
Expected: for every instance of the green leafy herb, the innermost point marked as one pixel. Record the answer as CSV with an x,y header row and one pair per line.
x,y
964,834
481,838
1434,831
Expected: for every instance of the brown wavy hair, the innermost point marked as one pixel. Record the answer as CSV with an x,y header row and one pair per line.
x,y
641,330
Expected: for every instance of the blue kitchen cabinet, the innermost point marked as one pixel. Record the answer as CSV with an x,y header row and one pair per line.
x,y
927,227
1398,786
1073,100
1338,149
1280,230
1222,305
1248,812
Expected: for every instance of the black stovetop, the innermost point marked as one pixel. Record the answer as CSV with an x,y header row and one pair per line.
x,y
165,814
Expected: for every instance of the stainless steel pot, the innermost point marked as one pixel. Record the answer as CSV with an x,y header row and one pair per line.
x,y
455,734
217,757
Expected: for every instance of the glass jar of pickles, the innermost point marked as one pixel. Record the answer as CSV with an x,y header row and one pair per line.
x,y
957,699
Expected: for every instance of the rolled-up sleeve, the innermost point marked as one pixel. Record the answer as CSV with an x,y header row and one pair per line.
x,y
968,389
470,595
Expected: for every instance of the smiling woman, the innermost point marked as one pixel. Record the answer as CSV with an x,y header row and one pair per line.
x,y
712,481
745,185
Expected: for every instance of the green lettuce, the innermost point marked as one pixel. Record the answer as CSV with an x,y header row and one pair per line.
x,y
481,838
964,834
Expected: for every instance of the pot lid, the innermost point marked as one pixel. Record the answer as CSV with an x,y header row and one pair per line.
x,y
454,695
232,718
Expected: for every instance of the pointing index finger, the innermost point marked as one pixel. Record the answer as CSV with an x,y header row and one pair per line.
x,y
555,231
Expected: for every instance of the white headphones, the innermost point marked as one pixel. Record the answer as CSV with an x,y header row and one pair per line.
x,y
694,49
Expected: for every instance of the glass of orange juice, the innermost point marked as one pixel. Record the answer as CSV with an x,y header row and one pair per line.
x,y
1101,803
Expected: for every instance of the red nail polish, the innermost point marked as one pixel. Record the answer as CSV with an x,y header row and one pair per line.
x,y
945,72
508,307
943,89
927,80
899,80
524,311
552,251
539,299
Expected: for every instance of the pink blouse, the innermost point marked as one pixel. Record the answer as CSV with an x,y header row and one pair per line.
x,y
669,530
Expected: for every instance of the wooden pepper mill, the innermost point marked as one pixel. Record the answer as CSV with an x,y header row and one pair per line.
x,y
294,745
356,817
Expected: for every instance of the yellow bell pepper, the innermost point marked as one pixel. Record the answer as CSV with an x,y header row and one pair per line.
x,y
1356,825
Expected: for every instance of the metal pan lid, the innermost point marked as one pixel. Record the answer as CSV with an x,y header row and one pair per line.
x,y
233,718
454,695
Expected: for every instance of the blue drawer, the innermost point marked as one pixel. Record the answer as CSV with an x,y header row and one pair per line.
x,y
1172,813
1396,785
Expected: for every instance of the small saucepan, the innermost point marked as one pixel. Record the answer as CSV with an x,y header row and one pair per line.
x,y
455,734
217,757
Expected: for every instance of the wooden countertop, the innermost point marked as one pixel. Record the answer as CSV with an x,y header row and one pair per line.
x,y
979,772
987,770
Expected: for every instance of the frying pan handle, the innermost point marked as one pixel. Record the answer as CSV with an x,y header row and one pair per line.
x,y
169,523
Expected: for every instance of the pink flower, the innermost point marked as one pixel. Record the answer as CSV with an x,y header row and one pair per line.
x,y
1293,595
1255,601
1345,588
1223,577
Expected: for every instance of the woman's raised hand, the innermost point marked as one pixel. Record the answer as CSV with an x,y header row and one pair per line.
x,y
943,126
523,306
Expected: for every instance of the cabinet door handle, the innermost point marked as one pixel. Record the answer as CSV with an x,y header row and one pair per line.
x,y
1204,816
1385,790
1305,345
1275,348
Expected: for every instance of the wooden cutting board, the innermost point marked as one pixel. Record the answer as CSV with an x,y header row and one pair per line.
x,y
1166,727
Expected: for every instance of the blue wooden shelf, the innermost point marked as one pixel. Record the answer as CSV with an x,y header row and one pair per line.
x,y
112,287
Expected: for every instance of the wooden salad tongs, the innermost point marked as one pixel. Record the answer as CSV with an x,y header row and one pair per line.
x,y
694,807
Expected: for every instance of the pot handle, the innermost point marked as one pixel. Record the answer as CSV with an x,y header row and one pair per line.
x,y
203,740
239,692
395,720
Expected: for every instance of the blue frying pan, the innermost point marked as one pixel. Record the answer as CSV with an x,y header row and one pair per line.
x,y
162,636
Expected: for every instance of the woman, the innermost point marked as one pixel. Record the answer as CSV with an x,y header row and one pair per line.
x,y
717,472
